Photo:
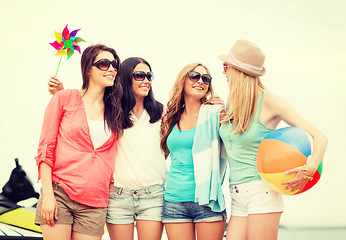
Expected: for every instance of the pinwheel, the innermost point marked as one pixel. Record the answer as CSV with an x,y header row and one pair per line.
x,y
66,43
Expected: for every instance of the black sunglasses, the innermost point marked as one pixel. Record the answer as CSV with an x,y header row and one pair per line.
x,y
225,66
140,76
103,64
195,76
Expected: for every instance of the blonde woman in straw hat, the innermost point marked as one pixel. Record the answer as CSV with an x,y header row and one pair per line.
x,y
252,113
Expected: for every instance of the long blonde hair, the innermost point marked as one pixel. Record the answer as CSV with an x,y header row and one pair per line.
x,y
242,98
176,103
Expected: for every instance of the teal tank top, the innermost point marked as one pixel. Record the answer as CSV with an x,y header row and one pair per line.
x,y
242,148
180,183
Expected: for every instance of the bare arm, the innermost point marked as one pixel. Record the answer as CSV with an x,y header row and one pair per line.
x,y
49,210
284,111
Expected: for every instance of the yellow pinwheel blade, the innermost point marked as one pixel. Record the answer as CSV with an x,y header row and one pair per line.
x,y
58,36
61,52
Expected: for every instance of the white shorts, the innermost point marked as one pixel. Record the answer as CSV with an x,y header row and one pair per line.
x,y
254,198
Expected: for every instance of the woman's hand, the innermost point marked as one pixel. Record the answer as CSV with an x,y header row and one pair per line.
x,y
54,85
49,210
216,100
303,175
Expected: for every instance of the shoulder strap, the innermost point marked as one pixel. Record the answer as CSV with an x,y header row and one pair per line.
x,y
260,102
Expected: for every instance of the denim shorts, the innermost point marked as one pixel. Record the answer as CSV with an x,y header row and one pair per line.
x,y
254,198
183,212
125,206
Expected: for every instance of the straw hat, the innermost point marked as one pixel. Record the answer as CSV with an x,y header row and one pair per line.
x,y
246,57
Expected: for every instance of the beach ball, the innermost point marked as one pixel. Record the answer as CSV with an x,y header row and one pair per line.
x,y
282,150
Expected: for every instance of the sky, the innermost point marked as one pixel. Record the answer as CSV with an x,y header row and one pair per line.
x,y
304,43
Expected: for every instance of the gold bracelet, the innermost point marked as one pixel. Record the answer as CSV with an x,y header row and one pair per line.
x,y
305,172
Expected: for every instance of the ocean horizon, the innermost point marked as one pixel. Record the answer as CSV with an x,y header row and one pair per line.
x,y
285,233
312,233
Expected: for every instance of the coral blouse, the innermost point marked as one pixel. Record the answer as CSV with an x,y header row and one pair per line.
x,y
84,172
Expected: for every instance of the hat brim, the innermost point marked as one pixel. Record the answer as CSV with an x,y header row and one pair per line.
x,y
251,73
224,58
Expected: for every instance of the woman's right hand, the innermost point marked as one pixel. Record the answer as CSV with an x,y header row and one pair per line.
x,y
54,85
49,210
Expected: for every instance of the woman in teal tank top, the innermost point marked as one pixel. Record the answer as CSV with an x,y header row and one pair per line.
x,y
252,113
185,213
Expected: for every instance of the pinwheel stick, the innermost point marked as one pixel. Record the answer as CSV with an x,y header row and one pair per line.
x,y
56,73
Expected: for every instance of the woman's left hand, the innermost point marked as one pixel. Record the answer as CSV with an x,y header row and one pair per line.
x,y
300,180
216,100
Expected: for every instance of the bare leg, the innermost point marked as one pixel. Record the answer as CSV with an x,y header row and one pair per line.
x,y
210,230
120,231
82,236
149,230
180,231
263,226
237,228
57,232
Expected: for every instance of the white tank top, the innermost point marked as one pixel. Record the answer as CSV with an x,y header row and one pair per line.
x,y
140,162
99,132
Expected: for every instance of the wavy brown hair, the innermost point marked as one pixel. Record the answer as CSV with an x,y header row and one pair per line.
x,y
242,98
176,103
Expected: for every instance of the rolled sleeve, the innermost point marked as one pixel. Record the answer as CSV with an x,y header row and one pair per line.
x,y
45,152
49,131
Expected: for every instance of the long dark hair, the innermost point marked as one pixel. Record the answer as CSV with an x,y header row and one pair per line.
x,y
128,102
113,113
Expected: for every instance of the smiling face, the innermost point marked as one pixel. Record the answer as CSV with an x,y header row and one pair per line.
x,y
141,88
103,78
196,89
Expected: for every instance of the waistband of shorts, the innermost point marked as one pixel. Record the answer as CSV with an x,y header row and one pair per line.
x,y
56,186
247,184
147,190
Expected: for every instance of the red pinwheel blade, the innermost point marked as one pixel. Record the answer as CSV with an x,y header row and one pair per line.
x,y
56,45
66,33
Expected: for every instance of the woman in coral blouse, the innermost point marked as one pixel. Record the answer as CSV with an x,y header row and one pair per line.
x,y
77,148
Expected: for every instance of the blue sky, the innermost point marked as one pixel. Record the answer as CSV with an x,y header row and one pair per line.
x,y
304,42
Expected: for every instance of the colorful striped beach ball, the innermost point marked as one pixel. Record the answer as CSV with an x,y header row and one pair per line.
x,y
282,150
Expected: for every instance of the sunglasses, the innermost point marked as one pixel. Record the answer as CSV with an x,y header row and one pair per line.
x,y
225,66
103,64
140,76
195,76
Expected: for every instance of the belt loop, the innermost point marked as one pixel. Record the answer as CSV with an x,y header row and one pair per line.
x,y
147,190
120,190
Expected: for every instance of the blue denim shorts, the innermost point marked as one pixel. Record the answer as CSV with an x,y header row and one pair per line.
x,y
181,212
125,206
